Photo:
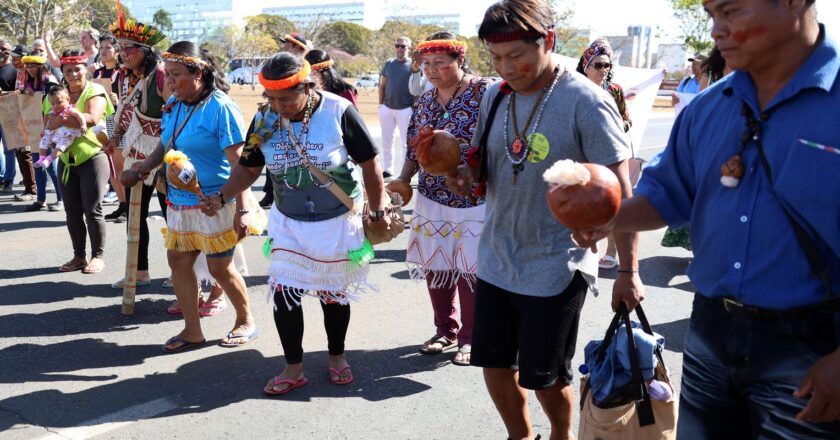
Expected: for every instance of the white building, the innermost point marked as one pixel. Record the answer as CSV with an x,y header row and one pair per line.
x,y
369,14
194,20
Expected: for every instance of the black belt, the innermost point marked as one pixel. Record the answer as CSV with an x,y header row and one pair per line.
x,y
736,308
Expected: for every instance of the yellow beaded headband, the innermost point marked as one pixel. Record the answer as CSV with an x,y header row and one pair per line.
x,y
33,59
198,63
323,66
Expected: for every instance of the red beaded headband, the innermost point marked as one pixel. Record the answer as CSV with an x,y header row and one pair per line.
x,y
442,46
79,59
503,37
289,81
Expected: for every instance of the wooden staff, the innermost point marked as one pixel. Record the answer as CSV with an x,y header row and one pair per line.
x,y
132,249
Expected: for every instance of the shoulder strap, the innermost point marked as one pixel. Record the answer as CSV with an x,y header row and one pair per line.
x,y
488,123
819,269
323,179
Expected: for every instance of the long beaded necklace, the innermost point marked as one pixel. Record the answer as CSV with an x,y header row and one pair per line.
x,y
301,137
517,151
446,115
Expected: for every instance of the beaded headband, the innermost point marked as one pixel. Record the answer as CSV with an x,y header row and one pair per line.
x,y
33,59
197,63
504,37
323,65
293,38
287,82
442,46
80,59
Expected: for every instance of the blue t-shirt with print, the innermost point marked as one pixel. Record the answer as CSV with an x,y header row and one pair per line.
x,y
213,127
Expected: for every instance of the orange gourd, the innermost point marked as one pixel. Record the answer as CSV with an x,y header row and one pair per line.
x,y
582,196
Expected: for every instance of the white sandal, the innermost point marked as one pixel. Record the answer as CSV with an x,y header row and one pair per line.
x,y
607,262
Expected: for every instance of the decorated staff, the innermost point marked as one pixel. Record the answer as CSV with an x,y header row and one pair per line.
x,y
142,94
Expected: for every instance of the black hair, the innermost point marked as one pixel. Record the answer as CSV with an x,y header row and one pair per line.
x,y
109,37
516,16
212,74
332,81
444,35
56,89
714,65
283,65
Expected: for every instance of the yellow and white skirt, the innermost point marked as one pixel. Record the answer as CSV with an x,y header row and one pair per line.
x,y
190,230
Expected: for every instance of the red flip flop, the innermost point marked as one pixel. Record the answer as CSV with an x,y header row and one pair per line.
x,y
338,372
293,384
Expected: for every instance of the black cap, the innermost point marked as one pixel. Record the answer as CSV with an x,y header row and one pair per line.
x,y
19,51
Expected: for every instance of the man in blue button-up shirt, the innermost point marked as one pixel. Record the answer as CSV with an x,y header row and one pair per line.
x,y
765,361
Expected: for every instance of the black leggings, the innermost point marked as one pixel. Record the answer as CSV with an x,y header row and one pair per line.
x,y
290,327
145,201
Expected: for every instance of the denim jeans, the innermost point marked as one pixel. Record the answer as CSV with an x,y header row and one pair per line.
x,y
10,171
41,179
739,375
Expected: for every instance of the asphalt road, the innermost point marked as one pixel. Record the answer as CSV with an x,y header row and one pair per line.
x,y
72,367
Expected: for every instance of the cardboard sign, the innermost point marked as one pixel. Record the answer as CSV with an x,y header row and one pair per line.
x,y
11,121
106,83
33,118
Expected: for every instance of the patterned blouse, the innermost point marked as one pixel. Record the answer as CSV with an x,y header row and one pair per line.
x,y
463,117
617,93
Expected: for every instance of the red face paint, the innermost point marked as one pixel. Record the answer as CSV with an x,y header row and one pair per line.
x,y
742,37
524,68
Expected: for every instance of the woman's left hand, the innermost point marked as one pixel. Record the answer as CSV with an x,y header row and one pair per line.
x,y
210,205
381,229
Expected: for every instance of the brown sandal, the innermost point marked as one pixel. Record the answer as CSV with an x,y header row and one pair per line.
x,y
436,345
73,265
95,266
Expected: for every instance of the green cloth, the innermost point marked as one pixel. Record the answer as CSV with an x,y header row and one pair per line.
x,y
86,146
679,237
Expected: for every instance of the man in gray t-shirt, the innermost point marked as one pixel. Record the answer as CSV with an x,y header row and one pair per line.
x,y
395,101
532,279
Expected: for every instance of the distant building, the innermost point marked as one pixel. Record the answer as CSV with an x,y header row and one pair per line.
x,y
304,14
634,49
193,20
674,58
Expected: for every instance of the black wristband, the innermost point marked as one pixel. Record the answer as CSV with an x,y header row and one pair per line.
x,y
627,271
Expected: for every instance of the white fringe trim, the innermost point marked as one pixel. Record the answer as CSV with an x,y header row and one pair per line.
x,y
440,278
293,296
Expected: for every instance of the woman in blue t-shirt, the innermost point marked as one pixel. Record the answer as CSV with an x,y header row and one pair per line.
x,y
203,123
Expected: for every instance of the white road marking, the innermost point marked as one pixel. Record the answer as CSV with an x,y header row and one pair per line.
x,y
111,422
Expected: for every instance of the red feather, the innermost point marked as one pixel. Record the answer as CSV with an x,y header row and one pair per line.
x,y
120,15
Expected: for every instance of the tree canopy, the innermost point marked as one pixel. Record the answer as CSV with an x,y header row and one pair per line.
x,y
25,20
695,23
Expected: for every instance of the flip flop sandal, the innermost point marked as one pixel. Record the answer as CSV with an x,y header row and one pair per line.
x,y
445,344
339,380
175,308
94,266
608,262
167,283
212,308
248,337
119,285
293,385
185,344
66,267
462,356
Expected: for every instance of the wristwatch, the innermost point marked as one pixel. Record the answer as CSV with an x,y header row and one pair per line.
x,y
377,215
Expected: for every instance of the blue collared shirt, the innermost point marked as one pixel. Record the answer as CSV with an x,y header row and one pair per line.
x,y
744,246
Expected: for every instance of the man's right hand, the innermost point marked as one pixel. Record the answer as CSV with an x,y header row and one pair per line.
x,y
590,238
675,99
461,183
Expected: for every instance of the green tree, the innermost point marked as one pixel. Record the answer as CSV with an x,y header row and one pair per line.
x,y
26,20
349,37
275,26
381,47
163,21
103,13
695,23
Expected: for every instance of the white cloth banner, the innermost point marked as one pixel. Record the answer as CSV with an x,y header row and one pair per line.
x,y
640,89
685,99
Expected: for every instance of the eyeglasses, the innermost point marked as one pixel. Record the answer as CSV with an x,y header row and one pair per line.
x,y
400,46
599,66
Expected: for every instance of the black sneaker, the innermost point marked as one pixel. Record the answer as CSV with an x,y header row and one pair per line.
x,y
37,206
7,188
120,211
387,175
120,219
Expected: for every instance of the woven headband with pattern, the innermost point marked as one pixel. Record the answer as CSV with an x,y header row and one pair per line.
x,y
442,46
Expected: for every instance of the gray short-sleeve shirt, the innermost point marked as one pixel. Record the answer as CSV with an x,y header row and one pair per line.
x,y
523,249
397,94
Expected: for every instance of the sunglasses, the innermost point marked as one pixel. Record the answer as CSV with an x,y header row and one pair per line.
x,y
599,66
400,46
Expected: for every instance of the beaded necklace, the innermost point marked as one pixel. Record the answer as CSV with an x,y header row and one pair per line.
x,y
451,98
517,151
300,138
